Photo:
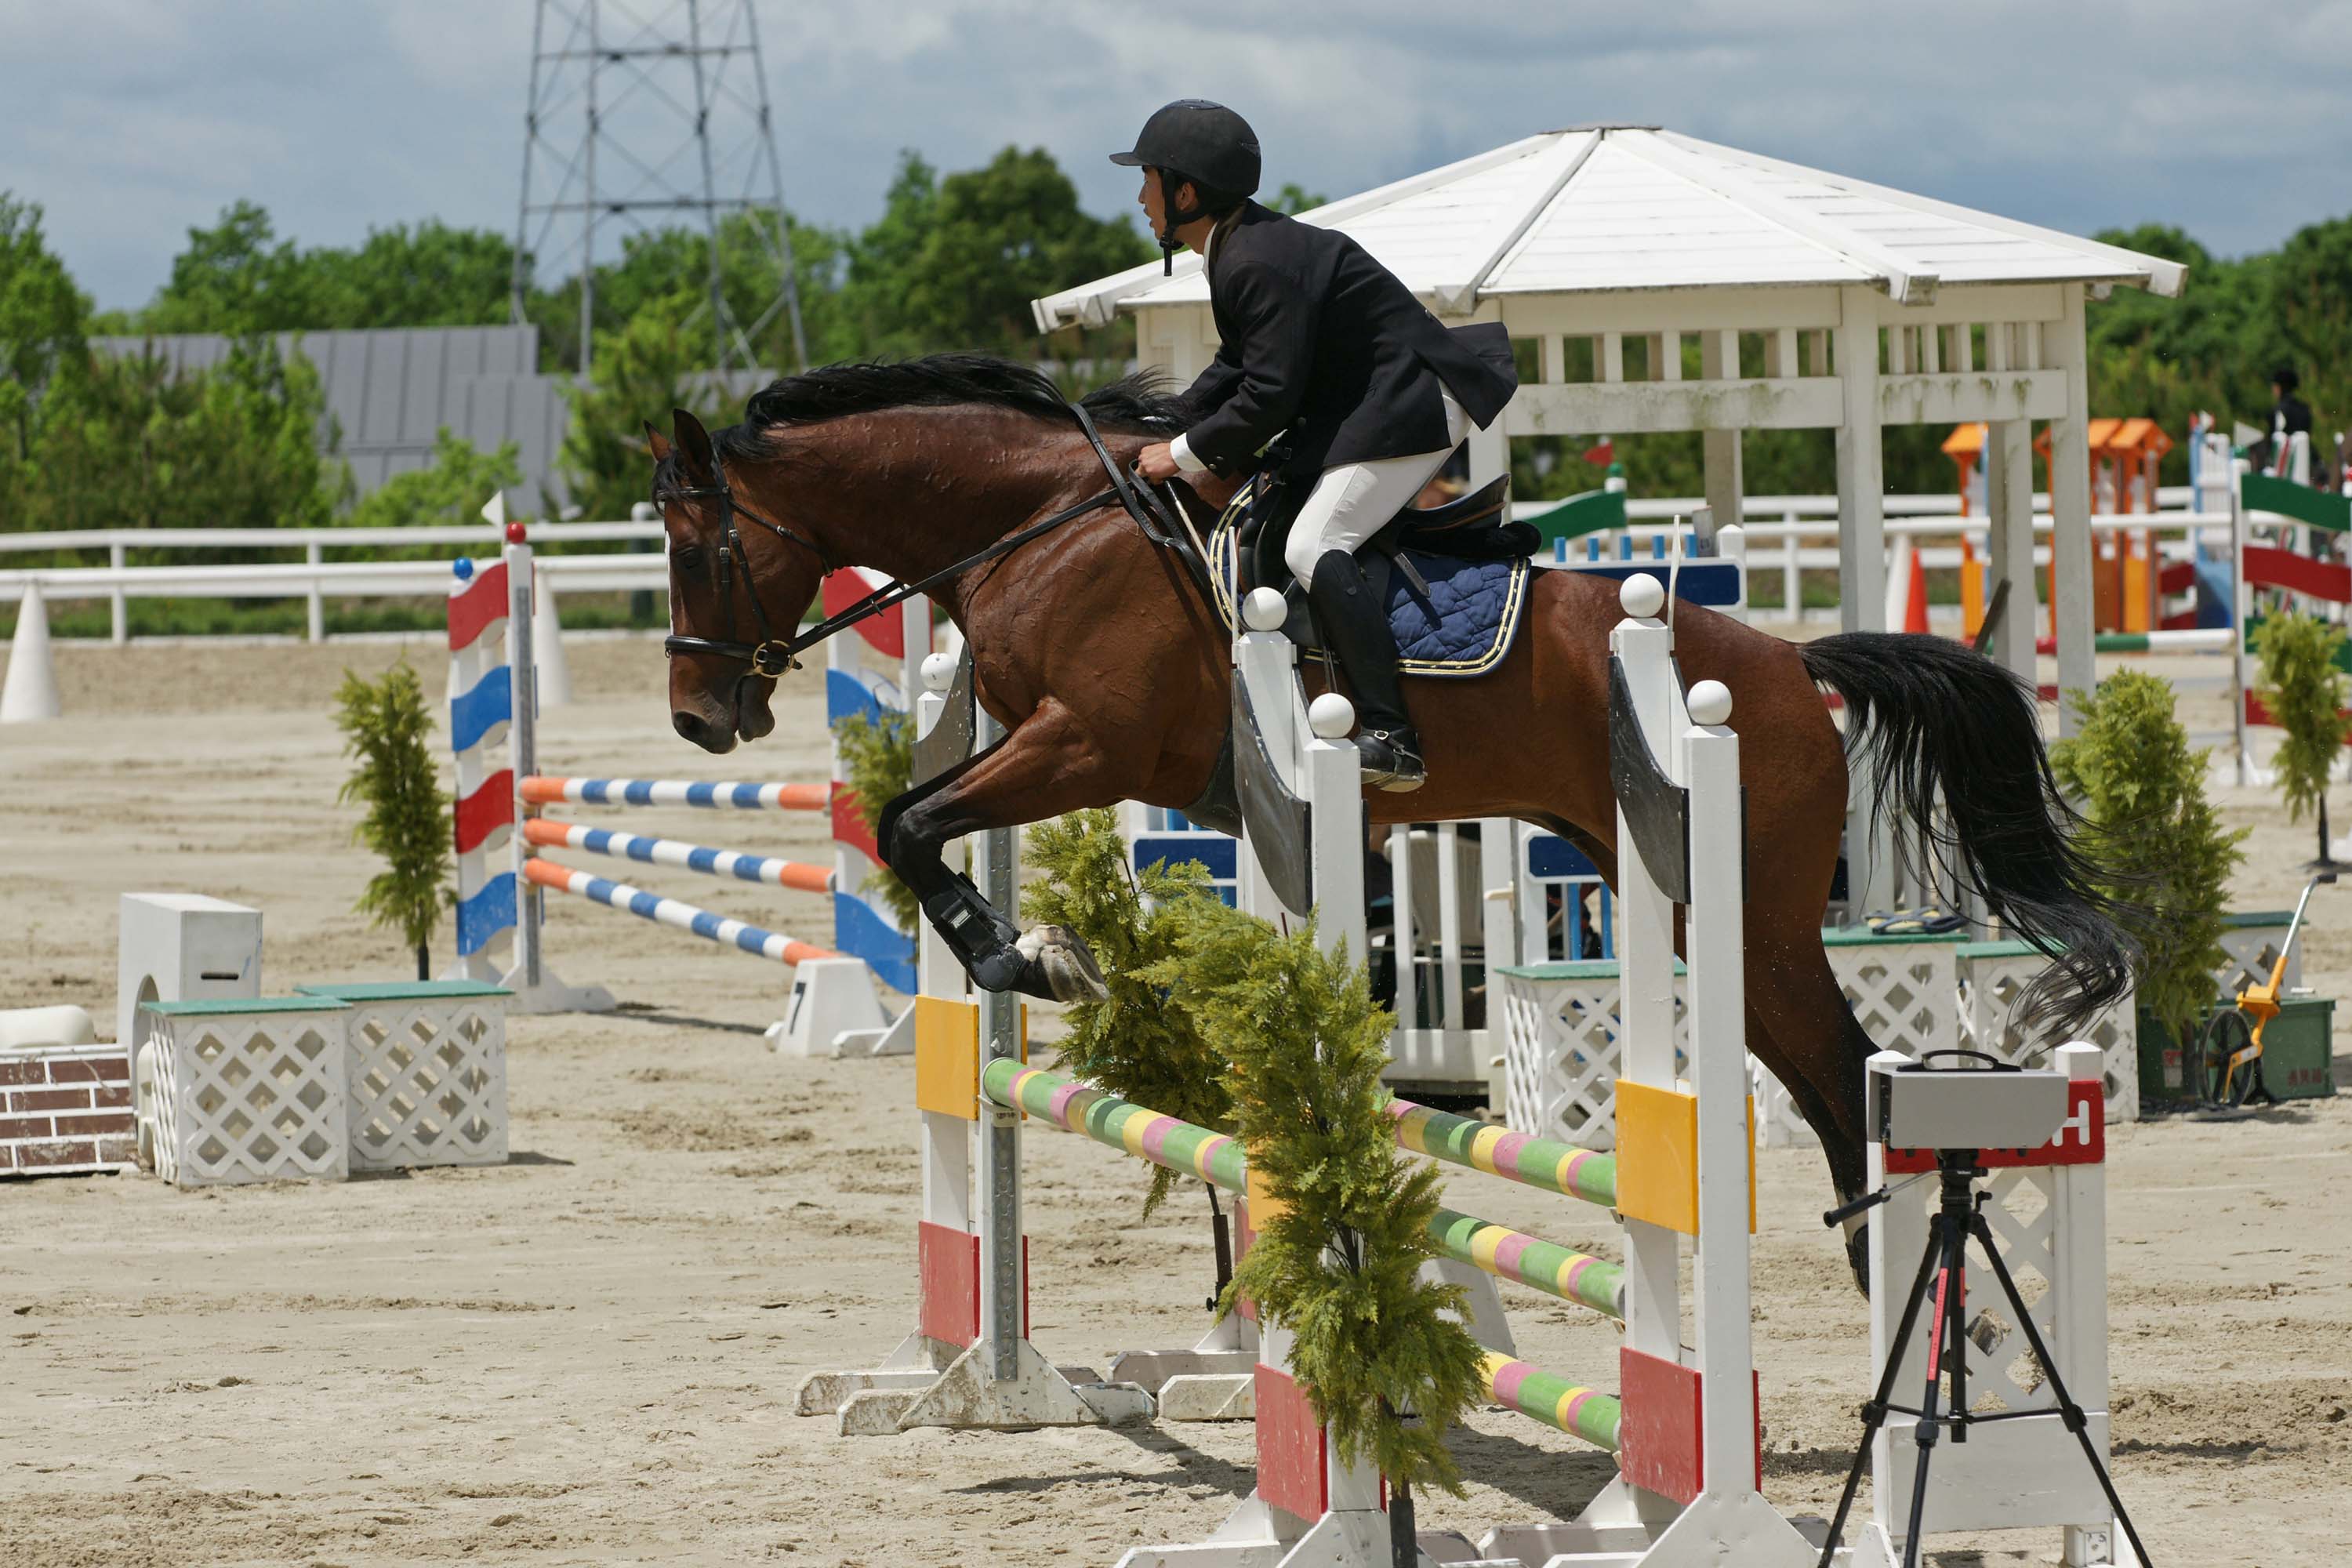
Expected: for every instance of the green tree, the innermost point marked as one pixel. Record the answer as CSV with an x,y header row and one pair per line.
x,y
43,318
133,444
640,373
235,278
428,276
452,490
659,263
2143,789
2304,690
387,724
239,279
1339,1261
953,263
1295,198
1140,1042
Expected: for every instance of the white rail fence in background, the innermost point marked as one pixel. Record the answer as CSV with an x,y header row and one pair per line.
x,y
1787,534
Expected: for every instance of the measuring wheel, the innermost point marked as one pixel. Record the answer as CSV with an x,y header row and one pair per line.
x,y
2228,1041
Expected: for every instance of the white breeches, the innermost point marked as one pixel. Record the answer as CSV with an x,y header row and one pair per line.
x,y
1353,502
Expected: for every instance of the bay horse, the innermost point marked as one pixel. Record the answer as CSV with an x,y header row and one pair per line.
x,y
1110,671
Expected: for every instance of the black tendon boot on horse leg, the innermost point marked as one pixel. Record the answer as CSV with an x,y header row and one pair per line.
x,y
1357,632
1050,961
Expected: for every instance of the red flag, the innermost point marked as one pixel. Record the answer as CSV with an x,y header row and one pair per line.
x,y
1602,454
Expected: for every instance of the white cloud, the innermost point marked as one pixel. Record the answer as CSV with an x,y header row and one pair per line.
x,y
132,120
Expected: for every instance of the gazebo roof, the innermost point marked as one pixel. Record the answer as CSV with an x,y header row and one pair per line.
x,y
1609,208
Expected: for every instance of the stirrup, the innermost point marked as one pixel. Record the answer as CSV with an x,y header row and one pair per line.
x,y
1391,760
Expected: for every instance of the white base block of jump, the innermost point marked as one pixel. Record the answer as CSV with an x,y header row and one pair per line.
x,y
182,947
837,1011
551,994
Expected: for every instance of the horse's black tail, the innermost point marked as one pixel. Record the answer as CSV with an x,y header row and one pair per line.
x,y
1939,724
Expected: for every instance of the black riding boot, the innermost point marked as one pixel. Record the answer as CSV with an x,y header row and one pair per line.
x,y
1357,632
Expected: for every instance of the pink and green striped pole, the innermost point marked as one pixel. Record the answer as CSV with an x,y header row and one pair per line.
x,y
1561,1168
1540,1265
1544,1396
1074,1107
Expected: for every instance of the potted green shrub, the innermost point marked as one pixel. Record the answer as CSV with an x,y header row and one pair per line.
x,y
2304,690
2132,772
387,724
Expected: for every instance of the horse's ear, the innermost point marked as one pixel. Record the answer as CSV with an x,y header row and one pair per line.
x,y
657,443
694,443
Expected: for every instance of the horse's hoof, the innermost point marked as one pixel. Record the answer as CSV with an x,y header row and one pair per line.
x,y
1058,967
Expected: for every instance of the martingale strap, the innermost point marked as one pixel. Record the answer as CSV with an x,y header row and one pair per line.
x,y
772,656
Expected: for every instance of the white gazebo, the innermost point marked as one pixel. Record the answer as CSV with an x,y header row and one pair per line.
x,y
1818,302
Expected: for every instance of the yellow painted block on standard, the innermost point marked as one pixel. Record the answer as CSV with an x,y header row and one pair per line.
x,y
1265,1208
1657,1156
947,1057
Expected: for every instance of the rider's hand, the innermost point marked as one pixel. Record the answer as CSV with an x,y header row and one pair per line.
x,y
1157,463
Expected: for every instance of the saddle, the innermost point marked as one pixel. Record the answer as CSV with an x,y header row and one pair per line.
x,y
1453,578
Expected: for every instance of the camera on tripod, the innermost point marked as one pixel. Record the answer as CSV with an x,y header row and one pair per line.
x,y
1983,1104
1961,1110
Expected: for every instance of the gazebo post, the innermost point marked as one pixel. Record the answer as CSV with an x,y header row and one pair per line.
x,y
1862,559
2009,505
1718,357
2070,510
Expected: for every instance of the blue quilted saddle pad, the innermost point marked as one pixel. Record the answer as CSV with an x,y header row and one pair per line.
x,y
1461,626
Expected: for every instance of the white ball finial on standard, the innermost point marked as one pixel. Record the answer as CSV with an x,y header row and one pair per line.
x,y
1263,610
1642,595
1330,716
1709,703
939,671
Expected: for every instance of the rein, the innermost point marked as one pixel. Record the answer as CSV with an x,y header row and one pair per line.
x,y
772,656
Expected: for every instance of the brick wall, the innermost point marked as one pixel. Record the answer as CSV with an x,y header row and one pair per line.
x,y
65,1108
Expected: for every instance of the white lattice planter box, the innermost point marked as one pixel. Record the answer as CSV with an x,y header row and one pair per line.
x,y
2244,939
242,1090
426,1071
1992,974
1561,1050
1903,989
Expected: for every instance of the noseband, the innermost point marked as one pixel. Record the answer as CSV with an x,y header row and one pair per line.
x,y
1159,519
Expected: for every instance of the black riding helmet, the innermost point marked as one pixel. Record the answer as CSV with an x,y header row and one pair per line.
x,y
1193,138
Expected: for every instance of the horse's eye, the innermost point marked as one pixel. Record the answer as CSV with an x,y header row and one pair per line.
x,y
687,556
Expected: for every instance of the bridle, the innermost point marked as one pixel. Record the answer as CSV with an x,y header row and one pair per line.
x,y
772,656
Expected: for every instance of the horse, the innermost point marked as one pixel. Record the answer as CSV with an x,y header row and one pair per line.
x,y
1111,671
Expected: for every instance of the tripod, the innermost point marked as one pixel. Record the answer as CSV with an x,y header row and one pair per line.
x,y
1944,1265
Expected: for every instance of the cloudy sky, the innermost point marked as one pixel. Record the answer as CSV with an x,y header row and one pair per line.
x,y
132,120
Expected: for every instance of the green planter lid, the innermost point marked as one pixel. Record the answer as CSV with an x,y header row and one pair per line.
x,y
1582,969
403,990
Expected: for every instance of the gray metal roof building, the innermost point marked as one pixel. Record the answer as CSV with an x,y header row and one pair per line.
x,y
391,391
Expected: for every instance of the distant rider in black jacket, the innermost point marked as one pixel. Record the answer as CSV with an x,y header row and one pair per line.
x,y
1320,339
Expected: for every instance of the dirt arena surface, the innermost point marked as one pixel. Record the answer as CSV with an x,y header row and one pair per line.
x,y
589,1355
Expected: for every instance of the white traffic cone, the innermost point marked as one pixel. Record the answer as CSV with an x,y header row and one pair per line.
x,y
32,690
547,660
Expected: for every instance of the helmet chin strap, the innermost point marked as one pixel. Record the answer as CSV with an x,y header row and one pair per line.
x,y
1170,219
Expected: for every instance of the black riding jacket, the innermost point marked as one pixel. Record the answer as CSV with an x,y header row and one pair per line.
x,y
1320,340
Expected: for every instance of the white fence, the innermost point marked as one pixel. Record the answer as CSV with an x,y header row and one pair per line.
x,y
1787,534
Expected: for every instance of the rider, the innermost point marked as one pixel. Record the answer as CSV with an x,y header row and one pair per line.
x,y
1320,339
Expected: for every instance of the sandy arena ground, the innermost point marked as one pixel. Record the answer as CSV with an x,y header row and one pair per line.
x,y
589,1355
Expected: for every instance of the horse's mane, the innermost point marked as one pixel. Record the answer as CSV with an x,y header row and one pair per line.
x,y
1141,404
